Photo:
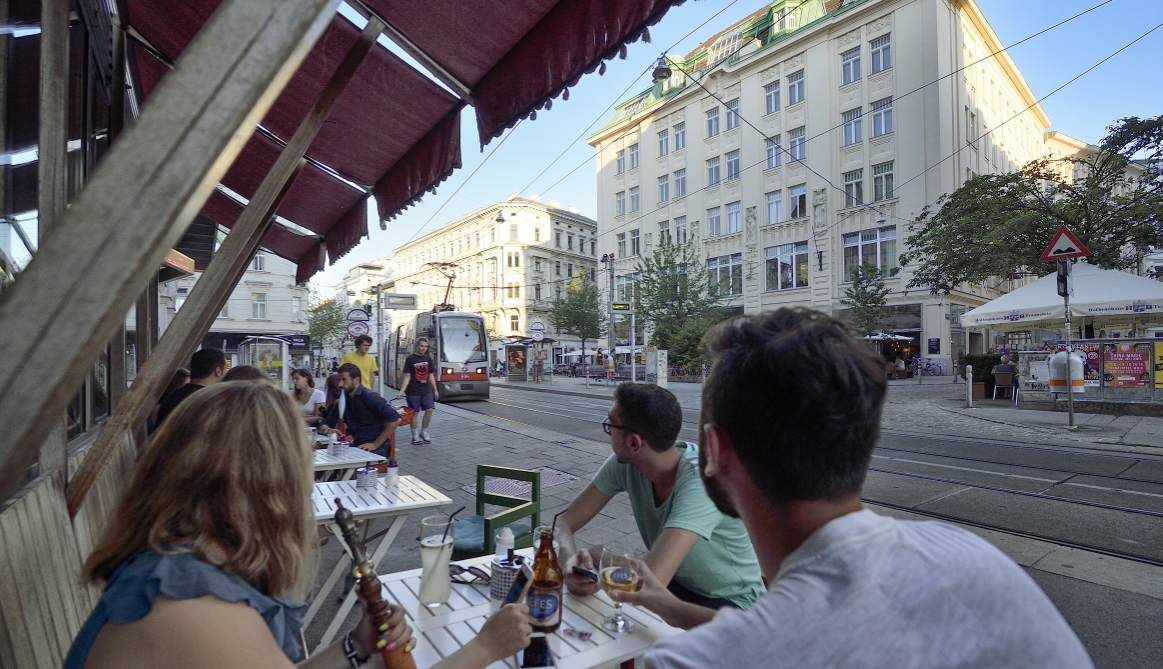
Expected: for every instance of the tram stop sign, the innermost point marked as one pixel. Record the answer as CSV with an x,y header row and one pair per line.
x,y
537,330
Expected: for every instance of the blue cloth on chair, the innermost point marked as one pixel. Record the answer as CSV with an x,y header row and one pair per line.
x,y
470,533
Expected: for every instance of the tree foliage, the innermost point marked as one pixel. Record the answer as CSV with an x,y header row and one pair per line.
x,y
326,322
997,225
865,299
580,312
674,294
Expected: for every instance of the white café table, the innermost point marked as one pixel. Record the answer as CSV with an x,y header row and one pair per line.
x,y
442,630
397,502
349,458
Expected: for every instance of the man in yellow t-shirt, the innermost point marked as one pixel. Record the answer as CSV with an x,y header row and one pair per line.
x,y
364,360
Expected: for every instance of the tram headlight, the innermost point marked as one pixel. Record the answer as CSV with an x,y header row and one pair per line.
x,y
448,370
480,370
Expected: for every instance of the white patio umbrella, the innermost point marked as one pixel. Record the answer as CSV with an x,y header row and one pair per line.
x,y
886,336
1098,293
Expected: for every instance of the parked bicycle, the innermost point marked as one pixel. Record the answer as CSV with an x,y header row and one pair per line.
x,y
928,367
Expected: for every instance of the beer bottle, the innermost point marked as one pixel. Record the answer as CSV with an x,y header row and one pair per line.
x,y
545,593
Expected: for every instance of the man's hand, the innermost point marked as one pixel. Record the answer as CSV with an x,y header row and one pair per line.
x,y
369,446
400,396
435,395
654,596
577,584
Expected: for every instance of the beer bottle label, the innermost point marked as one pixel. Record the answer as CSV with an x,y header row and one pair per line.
x,y
544,606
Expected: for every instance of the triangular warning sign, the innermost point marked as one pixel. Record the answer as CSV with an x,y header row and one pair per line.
x,y
1064,245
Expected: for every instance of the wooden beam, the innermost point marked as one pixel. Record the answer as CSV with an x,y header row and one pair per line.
x,y
147,190
210,293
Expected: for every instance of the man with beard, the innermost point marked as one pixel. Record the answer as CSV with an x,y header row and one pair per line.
x,y
702,556
791,412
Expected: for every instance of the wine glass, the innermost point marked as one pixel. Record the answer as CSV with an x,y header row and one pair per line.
x,y
618,572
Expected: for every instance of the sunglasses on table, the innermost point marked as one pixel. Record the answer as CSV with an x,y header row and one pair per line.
x,y
468,575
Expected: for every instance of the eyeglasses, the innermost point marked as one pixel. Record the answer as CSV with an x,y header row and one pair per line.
x,y
609,427
474,574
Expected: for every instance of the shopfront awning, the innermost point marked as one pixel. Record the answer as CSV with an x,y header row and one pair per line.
x,y
394,132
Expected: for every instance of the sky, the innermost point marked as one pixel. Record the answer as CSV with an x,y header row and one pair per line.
x,y
528,161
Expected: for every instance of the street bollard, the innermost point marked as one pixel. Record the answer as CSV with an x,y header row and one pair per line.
x,y
969,386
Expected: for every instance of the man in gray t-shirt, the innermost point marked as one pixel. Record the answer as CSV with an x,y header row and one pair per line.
x,y
791,412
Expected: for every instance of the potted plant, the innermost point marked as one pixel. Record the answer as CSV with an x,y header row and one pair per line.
x,y
983,364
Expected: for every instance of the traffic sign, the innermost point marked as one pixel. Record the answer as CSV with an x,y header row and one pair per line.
x,y
357,314
1064,245
620,306
399,301
536,326
537,335
358,328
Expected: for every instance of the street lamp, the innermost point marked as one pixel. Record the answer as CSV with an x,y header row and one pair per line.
x,y
500,217
661,70
880,220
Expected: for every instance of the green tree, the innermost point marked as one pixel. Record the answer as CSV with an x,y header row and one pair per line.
x,y
997,225
865,299
579,312
675,296
326,322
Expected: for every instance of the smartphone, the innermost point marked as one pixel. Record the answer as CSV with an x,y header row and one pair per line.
x,y
588,573
519,584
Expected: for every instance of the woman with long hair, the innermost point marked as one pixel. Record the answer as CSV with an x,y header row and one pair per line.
x,y
214,547
331,396
307,397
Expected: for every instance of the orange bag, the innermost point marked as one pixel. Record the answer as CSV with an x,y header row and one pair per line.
x,y
406,415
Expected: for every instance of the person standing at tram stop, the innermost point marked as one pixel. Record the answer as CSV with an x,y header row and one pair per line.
x,y
848,588
420,388
360,357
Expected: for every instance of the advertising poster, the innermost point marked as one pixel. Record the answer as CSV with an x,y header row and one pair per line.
x,y
1092,363
1128,365
1034,371
1159,365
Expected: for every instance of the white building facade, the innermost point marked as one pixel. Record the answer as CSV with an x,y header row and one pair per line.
x,y
795,145
511,260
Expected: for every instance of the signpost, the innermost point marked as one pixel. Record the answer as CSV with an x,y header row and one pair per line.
x,y
622,308
1063,249
537,334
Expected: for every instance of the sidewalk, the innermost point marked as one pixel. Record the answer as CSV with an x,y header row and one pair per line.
x,y
936,406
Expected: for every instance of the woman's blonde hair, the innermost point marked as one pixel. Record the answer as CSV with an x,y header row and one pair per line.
x,y
227,477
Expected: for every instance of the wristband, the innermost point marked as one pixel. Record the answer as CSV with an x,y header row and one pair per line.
x,y
350,653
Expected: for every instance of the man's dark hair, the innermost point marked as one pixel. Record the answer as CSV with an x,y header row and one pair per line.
x,y
245,373
363,338
351,369
651,411
800,398
205,361
422,339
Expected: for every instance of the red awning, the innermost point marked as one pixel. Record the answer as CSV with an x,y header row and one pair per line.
x,y
394,132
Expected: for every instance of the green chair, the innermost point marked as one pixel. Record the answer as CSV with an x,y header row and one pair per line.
x,y
476,535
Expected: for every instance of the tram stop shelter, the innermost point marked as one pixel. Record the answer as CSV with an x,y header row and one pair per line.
x,y
272,119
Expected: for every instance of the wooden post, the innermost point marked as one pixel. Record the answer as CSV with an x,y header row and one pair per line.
x,y
221,276
136,206
117,365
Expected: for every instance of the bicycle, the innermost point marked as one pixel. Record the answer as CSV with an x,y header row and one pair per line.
x,y
928,367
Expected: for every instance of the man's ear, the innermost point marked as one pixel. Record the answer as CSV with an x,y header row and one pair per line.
x,y
716,448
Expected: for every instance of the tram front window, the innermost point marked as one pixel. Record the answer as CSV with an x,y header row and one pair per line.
x,y
462,340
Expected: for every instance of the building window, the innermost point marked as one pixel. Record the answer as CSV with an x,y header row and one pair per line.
x,y
733,165
512,232
634,156
714,222
664,188
882,181
733,114
478,240
537,264
680,183
795,88
621,244
569,242
713,122
297,309
258,305
620,162
713,171
557,268
798,195
882,117
180,299
569,270
593,247
797,144
787,266
680,230
514,323
853,126
773,151
634,199
774,208
854,188
679,136
726,274
492,235
581,245
537,291
663,143
508,260
663,233
635,244
536,234
734,220
259,264
619,209
771,98
557,233
850,63
876,246
881,54
225,313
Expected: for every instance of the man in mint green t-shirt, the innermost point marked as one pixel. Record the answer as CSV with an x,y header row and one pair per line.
x,y
701,555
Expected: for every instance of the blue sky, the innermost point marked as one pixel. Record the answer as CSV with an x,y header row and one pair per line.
x,y
1123,86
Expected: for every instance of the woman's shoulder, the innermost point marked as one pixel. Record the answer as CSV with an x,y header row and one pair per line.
x,y
318,397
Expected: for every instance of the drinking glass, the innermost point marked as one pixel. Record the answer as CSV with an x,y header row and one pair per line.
x,y
436,538
618,572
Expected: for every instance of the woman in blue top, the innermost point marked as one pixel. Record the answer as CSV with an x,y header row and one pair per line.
x,y
214,547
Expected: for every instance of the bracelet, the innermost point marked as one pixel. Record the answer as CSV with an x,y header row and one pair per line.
x,y
350,653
